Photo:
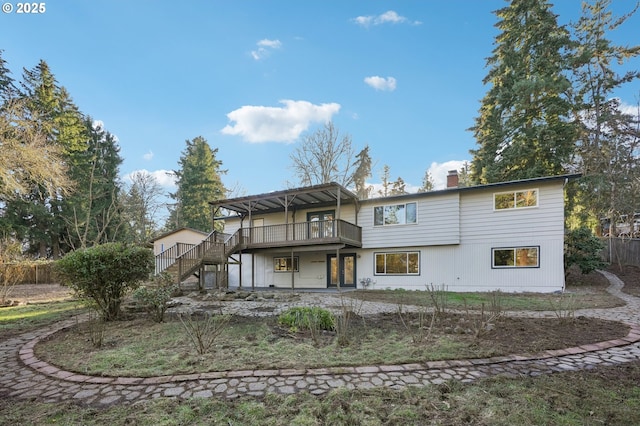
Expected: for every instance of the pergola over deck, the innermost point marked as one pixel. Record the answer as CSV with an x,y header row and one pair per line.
x,y
289,201
325,235
322,195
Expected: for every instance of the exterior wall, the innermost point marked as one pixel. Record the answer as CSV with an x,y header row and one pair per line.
x,y
187,236
468,266
484,229
312,270
455,233
437,219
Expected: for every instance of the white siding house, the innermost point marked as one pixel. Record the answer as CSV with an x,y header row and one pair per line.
x,y
507,236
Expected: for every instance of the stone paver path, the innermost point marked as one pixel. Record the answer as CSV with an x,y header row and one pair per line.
x,y
25,376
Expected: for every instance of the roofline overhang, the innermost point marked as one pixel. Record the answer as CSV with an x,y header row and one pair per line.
x,y
324,194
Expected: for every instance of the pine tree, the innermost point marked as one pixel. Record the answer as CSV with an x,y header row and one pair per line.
x,y
93,213
609,139
48,112
362,172
198,182
386,184
427,182
524,129
398,187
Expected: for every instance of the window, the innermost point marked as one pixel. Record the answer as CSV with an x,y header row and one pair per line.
x,y
516,257
283,264
516,199
398,214
397,263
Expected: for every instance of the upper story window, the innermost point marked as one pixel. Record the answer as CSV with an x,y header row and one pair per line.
x,y
515,199
398,214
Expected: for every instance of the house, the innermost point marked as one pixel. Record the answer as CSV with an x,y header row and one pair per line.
x,y
505,236
171,245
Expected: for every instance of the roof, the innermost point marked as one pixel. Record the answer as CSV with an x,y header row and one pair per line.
x,y
175,231
544,179
325,194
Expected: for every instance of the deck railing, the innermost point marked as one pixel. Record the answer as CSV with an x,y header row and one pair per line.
x,y
168,257
315,232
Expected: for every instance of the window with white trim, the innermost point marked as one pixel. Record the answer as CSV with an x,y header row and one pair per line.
x,y
397,263
515,257
515,199
397,214
283,264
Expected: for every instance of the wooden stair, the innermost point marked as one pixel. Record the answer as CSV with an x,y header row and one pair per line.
x,y
183,260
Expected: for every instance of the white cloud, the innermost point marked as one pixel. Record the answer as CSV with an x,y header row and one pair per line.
x,y
265,47
439,172
381,83
633,110
388,17
148,156
165,178
277,124
98,124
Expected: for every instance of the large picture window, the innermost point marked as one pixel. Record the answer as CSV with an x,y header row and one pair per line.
x,y
398,214
515,199
516,257
284,264
397,263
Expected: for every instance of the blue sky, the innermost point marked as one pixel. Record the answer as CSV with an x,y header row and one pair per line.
x,y
255,77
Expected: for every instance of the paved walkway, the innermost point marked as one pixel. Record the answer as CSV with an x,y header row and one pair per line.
x,y
25,376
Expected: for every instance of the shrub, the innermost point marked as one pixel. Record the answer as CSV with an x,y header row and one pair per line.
x,y
154,297
105,274
583,249
306,317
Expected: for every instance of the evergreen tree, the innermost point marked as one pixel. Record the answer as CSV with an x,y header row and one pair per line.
x,y
464,175
609,139
386,183
93,213
49,113
427,182
524,128
362,172
198,182
398,187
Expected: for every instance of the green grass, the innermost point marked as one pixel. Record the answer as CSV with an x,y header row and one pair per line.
x,y
22,318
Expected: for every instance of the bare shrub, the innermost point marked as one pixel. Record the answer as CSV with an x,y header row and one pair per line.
x,y
483,322
438,296
564,307
420,329
203,332
348,308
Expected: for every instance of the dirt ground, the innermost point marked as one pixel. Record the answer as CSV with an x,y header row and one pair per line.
x,y
509,334
38,293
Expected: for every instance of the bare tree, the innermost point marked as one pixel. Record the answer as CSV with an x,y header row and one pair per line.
x,y
26,156
324,157
142,204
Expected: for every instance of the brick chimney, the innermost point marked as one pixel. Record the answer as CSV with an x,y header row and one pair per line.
x,y
452,179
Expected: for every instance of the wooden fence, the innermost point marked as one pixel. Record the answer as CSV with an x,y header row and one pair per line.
x,y
625,251
36,273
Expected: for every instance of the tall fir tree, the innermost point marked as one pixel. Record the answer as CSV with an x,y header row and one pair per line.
x,y
49,112
198,182
361,173
93,213
609,139
524,128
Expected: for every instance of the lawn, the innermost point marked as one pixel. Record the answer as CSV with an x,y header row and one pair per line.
x,y
604,395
